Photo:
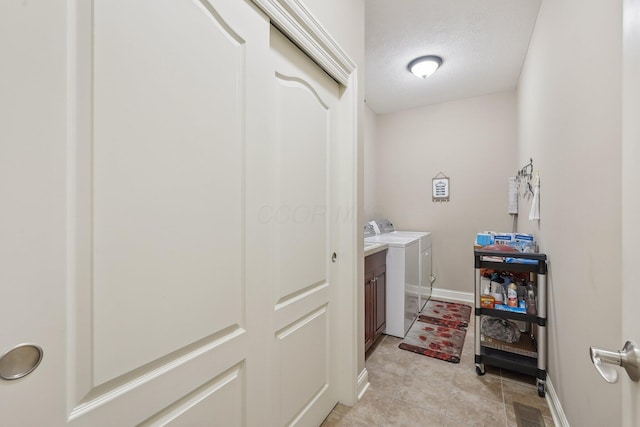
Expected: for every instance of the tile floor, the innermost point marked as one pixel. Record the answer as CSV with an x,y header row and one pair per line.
x,y
408,389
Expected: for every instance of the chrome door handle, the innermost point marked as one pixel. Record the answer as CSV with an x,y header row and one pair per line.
x,y
628,358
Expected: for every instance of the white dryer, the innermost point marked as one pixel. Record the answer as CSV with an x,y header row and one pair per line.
x,y
403,258
425,284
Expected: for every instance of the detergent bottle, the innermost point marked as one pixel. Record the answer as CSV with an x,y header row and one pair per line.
x,y
512,295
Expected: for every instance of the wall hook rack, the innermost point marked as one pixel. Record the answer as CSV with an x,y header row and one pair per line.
x,y
527,170
524,177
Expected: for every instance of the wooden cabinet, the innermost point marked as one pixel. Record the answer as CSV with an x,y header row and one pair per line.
x,y
375,288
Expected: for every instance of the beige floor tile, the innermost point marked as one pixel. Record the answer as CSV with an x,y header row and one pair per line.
x,y
393,362
336,415
473,409
527,394
401,414
385,344
467,360
371,409
486,386
341,409
438,370
332,420
432,371
347,422
450,422
511,418
427,393
384,382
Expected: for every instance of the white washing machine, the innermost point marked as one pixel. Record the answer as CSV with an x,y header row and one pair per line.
x,y
425,285
403,258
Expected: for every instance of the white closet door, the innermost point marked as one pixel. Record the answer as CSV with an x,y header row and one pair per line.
x,y
303,221
126,129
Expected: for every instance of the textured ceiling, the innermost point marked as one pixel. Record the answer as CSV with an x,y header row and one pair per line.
x,y
483,44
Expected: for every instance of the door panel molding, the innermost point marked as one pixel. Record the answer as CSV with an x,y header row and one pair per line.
x,y
294,297
223,396
300,386
208,354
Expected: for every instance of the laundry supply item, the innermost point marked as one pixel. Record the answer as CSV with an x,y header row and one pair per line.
x,y
504,238
500,329
512,295
505,307
484,239
534,214
531,299
487,301
520,260
498,294
499,248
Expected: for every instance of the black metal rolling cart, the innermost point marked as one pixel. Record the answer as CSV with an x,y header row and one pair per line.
x,y
530,356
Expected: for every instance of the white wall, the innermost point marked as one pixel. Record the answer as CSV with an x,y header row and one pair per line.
x,y
370,138
473,141
570,123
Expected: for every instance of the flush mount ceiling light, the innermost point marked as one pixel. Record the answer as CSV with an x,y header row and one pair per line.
x,y
424,66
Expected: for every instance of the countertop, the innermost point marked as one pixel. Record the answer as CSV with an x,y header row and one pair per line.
x,y
374,248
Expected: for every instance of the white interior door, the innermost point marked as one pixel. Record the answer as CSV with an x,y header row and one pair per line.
x,y
630,201
130,250
302,217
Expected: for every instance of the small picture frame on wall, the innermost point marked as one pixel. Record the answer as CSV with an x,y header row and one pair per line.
x,y
440,188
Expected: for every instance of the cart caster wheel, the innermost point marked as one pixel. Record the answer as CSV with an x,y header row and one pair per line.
x,y
480,371
541,390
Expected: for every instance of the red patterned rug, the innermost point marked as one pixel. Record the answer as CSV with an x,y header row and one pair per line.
x,y
435,341
451,314
439,331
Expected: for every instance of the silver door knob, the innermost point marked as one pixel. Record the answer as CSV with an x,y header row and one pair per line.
x,y
20,361
605,362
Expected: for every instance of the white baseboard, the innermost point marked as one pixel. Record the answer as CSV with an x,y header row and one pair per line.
x,y
559,418
452,295
363,383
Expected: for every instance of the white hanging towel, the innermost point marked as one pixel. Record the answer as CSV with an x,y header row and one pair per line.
x,y
535,204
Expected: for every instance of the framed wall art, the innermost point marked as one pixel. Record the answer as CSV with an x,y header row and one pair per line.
x,y
440,188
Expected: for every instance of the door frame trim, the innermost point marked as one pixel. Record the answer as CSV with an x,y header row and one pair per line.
x,y
303,29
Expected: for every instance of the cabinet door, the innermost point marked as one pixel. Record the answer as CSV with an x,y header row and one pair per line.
x,y
369,310
380,287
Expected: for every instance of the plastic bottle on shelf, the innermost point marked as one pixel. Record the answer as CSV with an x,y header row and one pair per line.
x,y
498,293
486,300
512,295
531,299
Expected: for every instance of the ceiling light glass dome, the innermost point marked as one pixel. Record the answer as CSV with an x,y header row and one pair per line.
x,y
424,66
